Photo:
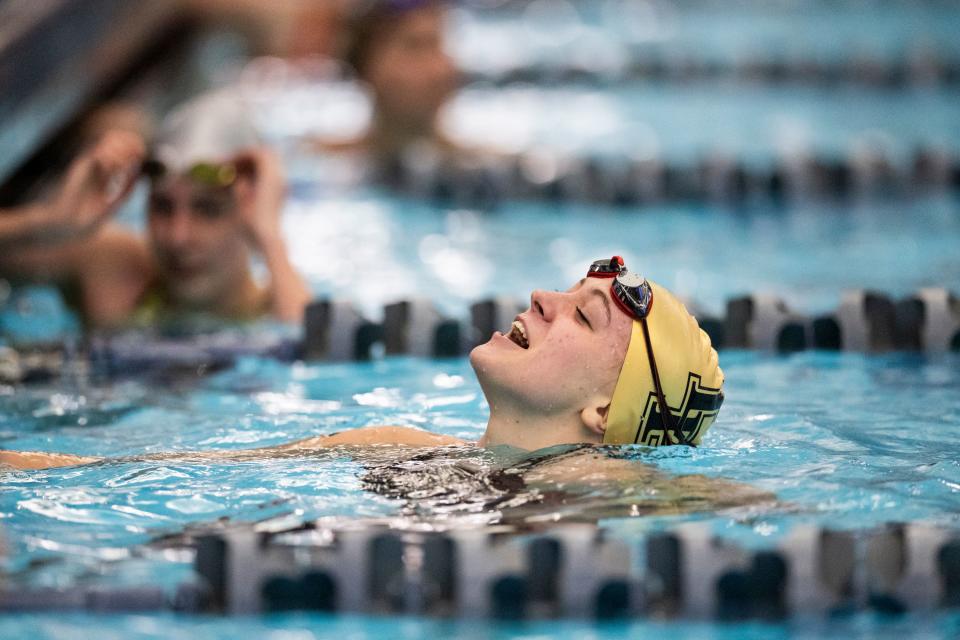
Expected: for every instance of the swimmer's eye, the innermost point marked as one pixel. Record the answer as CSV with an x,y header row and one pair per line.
x,y
160,206
584,319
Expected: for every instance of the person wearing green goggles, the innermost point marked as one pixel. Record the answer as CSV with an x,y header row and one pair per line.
x,y
215,198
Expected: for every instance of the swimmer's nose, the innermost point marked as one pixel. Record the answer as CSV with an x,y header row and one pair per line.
x,y
544,303
179,233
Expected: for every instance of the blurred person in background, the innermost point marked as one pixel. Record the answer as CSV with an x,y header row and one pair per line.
x,y
215,196
396,48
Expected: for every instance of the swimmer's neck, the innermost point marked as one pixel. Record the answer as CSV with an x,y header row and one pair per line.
x,y
388,138
532,432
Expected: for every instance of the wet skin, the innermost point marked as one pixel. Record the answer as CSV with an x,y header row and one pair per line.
x,y
578,340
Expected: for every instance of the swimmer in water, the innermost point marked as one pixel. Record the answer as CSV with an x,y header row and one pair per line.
x,y
215,195
396,48
594,364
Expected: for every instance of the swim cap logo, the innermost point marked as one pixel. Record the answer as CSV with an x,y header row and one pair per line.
x,y
698,409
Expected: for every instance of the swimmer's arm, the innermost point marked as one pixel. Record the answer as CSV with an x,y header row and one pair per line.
x,y
364,437
261,194
380,436
50,240
373,436
288,294
22,225
96,183
37,460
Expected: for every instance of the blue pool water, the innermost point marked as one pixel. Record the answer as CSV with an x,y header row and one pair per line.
x,y
807,255
608,33
675,123
756,124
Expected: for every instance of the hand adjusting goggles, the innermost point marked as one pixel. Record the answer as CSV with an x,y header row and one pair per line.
x,y
634,295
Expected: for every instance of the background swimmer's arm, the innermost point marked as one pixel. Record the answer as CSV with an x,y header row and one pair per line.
x,y
63,239
94,186
22,225
289,294
261,193
364,437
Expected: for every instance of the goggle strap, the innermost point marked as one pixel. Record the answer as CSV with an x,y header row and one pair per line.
x,y
666,418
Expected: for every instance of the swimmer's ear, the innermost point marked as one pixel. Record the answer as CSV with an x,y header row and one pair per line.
x,y
594,416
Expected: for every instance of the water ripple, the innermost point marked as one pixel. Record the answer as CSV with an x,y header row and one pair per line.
x,y
58,511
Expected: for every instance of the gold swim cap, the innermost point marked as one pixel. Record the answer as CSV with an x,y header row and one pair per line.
x,y
689,372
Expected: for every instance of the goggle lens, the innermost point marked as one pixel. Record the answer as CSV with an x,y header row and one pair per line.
x,y
606,268
205,173
630,290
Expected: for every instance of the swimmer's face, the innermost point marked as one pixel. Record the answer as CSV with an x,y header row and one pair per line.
x,y
408,70
577,339
197,241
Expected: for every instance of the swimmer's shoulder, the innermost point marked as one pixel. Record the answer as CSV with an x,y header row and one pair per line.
x,y
116,245
115,270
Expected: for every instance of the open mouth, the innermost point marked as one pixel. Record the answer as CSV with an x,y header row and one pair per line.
x,y
518,334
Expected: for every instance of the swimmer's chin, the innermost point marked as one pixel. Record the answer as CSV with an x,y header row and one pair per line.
x,y
477,355
484,356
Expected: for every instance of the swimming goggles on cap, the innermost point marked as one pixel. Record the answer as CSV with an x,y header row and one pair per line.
x,y
208,174
634,295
